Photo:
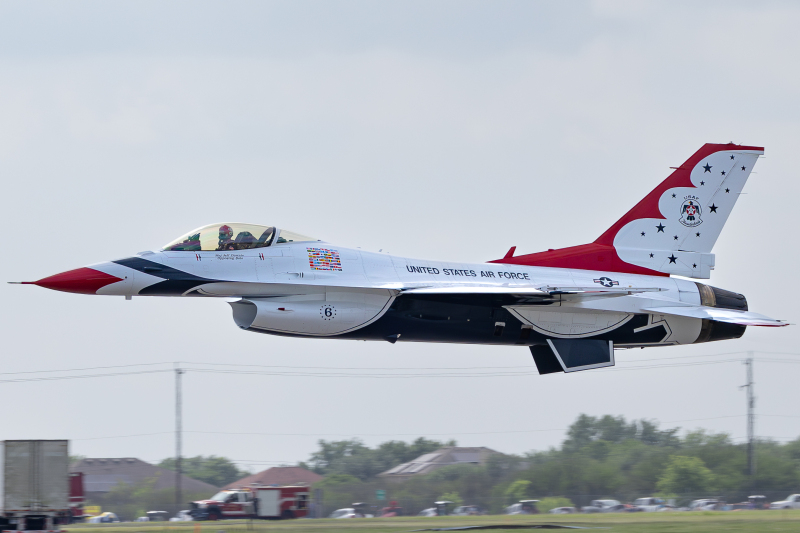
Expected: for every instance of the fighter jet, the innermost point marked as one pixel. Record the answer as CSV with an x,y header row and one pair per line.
x,y
572,307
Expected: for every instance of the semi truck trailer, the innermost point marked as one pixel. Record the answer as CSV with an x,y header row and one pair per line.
x,y
35,485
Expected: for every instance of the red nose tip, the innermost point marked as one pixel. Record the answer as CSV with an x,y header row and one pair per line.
x,y
80,280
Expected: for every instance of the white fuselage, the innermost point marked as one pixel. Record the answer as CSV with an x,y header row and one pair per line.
x,y
292,294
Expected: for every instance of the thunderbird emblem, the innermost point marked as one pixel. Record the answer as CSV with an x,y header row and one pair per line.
x,y
690,213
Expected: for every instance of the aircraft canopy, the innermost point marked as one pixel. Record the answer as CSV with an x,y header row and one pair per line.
x,y
232,236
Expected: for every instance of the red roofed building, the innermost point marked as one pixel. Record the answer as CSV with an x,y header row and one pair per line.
x,y
278,475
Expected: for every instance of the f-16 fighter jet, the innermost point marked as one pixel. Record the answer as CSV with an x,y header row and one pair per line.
x,y
571,307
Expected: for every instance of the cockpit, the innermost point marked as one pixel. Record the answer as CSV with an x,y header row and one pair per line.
x,y
232,236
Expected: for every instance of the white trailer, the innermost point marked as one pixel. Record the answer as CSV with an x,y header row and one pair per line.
x,y
35,485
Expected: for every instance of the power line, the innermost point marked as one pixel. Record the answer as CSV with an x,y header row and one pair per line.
x,y
56,378
79,369
303,370
369,375
647,359
126,436
414,434
441,375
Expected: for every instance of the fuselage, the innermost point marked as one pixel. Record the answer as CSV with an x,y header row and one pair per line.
x,y
316,289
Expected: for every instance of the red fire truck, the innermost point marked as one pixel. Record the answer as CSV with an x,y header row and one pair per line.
x,y
254,502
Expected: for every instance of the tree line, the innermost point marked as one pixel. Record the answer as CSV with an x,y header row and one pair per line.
x,y
601,457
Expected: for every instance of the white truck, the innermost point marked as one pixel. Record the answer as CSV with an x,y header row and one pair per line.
x,y
650,504
603,506
791,502
35,485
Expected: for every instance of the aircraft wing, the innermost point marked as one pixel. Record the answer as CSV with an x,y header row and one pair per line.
x,y
600,291
531,294
541,291
731,316
465,289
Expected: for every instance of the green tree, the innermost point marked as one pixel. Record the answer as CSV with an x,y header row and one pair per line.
x,y
336,480
217,471
518,490
545,504
131,500
601,457
452,497
341,490
354,458
331,453
685,475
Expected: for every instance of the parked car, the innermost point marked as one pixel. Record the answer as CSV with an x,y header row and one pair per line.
x,y
755,502
182,516
343,513
443,507
430,511
791,502
467,510
563,510
649,504
157,516
603,506
349,512
706,504
391,510
523,507
104,518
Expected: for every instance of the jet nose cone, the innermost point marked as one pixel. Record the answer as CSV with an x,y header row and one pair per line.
x,y
80,280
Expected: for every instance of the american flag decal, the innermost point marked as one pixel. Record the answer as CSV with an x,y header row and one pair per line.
x,y
324,259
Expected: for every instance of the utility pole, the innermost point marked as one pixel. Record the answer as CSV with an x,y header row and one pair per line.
x,y
178,437
751,417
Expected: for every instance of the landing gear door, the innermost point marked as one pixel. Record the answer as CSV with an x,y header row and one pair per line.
x,y
582,354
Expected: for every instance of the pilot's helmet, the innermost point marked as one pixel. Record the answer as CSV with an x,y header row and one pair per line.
x,y
225,233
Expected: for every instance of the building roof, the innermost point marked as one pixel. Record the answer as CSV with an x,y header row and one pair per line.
x,y
449,455
278,475
101,475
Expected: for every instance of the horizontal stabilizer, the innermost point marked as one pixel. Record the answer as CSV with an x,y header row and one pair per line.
x,y
731,316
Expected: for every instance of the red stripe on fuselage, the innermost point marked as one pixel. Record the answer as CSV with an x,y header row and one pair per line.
x,y
584,257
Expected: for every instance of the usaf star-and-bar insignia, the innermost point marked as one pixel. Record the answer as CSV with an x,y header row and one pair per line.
x,y
606,282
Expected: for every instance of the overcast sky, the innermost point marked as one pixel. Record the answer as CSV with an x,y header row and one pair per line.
x,y
444,130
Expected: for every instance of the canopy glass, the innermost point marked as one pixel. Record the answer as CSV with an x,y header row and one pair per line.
x,y
232,236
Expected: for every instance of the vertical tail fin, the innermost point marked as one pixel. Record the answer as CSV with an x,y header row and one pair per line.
x,y
671,230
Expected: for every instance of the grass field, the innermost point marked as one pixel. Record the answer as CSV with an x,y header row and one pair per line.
x,y
736,521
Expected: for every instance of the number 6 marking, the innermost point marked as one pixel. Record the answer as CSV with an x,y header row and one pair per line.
x,y
327,312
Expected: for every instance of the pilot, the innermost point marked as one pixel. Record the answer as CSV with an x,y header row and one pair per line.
x,y
226,238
